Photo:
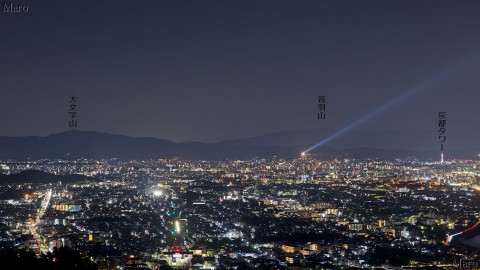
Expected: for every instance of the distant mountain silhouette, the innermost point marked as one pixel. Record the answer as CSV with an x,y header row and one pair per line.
x,y
33,176
97,145
414,139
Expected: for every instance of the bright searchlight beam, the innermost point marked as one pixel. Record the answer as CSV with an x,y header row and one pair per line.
x,y
427,84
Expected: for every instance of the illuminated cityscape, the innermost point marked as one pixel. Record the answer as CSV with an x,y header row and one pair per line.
x,y
270,213
239,134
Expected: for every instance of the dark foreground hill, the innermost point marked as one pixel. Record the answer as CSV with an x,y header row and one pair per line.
x,y
33,176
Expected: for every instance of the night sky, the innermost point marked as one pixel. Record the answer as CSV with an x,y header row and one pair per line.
x,y
216,70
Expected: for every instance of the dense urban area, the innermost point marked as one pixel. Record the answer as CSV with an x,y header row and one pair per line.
x,y
275,213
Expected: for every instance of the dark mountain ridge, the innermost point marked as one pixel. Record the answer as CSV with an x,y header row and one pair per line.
x,y
97,145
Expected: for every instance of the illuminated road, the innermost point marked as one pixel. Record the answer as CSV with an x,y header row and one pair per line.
x,y
450,237
41,212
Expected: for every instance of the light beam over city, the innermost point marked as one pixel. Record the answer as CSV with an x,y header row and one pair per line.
x,y
430,83
206,135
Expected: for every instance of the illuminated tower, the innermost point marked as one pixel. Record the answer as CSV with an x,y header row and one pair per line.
x,y
441,153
